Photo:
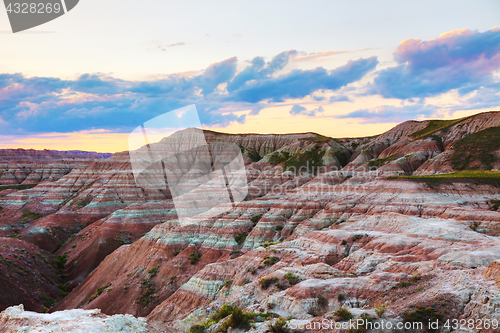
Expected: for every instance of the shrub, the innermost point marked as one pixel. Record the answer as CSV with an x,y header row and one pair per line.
x,y
366,318
291,278
194,257
176,252
416,278
227,283
357,237
322,301
148,294
98,292
279,228
495,204
341,297
424,316
251,270
343,314
380,311
153,271
270,260
315,312
238,319
403,284
240,238
269,243
246,281
255,218
281,286
197,328
267,282
223,312
279,326
60,262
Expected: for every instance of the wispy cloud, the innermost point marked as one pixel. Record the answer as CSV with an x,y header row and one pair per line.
x,y
158,45
314,56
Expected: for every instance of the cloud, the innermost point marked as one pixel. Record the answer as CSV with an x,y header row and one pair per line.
x,y
314,56
318,98
300,83
176,44
298,109
392,114
259,69
159,46
95,83
98,101
460,59
334,99
216,74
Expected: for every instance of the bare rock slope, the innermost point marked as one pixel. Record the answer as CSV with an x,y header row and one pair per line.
x,y
304,244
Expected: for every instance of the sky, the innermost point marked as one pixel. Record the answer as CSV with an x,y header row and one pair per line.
x,y
342,69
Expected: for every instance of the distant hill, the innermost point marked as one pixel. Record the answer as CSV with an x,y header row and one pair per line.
x,y
45,155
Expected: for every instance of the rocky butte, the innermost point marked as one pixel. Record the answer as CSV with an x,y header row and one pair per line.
x,y
402,227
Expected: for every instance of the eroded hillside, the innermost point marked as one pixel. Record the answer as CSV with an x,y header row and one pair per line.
x,y
370,227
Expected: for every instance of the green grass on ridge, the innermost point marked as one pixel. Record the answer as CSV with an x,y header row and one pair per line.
x,y
434,126
476,176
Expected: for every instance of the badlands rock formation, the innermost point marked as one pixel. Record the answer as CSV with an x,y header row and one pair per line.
x,y
29,166
15,319
304,244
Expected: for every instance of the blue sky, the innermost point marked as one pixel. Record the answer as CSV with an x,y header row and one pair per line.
x,y
336,68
